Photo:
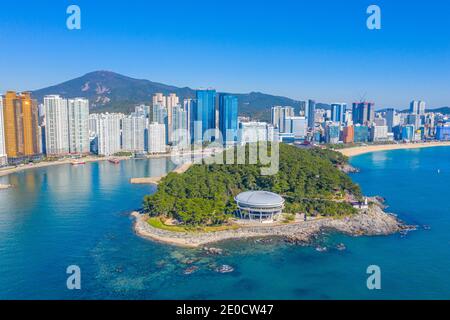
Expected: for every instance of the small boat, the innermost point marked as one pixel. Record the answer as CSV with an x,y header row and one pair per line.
x,y
78,163
114,161
341,247
225,269
321,249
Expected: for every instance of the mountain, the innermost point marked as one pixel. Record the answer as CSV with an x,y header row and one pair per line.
x,y
112,92
443,110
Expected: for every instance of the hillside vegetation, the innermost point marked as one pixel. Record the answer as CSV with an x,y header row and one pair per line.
x,y
204,195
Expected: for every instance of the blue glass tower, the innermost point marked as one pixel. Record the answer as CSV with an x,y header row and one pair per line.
x,y
228,118
204,115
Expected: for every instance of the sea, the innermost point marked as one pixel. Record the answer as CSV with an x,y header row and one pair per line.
x,y
60,217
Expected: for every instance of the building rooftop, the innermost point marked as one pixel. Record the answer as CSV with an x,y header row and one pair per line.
x,y
259,199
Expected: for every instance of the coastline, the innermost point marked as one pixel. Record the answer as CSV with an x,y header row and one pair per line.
x,y
356,151
370,222
9,170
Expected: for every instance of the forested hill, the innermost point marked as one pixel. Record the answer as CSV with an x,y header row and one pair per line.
x,y
204,195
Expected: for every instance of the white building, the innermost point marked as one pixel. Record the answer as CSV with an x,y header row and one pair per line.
x,y
78,125
109,134
297,126
156,138
94,124
379,133
279,117
56,125
160,99
133,133
251,132
3,156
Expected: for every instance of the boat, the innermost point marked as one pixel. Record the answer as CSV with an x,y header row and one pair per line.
x,y
78,163
341,247
114,161
321,249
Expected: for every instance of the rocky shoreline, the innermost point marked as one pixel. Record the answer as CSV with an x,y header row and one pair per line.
x,y
368,222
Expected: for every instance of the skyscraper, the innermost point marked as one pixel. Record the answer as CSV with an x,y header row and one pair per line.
x,y
158,114
109,134
310,115
171,101
390,119
159,98
189,105
133,131
78,116
228,118
180,136
338,112
363,112
279,117
56,125
204,116
21,129
3,156
156,138
417,107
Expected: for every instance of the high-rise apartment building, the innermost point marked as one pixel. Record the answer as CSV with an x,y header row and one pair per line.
x,y
21,129
133,133
78,117
228,118
56,125
179,128
252,132
3,156
156,138
279,117
171,101
348,134
204,116
159,98
363,113
109,134
189,105
417,107
311,113
338,112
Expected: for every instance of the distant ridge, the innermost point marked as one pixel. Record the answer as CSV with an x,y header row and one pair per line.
x,y
113,92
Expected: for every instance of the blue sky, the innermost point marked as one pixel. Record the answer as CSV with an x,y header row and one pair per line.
x,y
317,49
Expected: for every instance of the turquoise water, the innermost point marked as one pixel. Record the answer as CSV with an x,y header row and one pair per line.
x,y
65,215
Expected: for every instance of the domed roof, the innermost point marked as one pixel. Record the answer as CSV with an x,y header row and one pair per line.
x,y
259,199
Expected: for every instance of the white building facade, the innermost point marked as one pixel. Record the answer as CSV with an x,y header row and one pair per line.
x,y
156,138
133,133
252,132
109,134
56,126
78,115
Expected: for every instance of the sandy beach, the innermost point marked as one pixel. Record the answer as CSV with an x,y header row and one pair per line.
x,y
355,151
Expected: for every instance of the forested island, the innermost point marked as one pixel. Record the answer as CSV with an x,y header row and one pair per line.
x,y
309,180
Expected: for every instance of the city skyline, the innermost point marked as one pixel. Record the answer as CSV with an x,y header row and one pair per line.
x,y
405,60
